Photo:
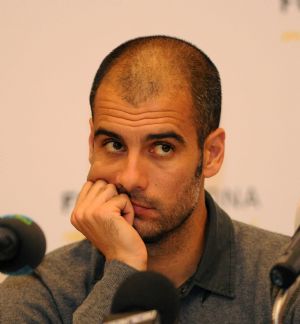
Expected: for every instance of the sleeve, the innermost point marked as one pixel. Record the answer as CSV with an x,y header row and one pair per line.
x,y
293,312
25,299
98,302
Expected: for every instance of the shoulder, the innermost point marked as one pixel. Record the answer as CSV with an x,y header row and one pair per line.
x,y
260,240
78,265
257,250
77,254
57,287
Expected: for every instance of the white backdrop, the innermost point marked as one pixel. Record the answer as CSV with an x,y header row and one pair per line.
x,y
50,51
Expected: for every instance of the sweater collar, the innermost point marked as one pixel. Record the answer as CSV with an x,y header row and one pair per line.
x,y
216,270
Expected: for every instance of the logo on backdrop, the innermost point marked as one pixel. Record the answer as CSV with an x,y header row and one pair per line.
x,y
231,197
67,201
236,197
286,4
290,6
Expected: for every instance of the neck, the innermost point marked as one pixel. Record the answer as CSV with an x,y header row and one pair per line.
x,y
178,255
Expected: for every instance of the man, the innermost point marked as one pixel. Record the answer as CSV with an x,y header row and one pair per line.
x,y
155,137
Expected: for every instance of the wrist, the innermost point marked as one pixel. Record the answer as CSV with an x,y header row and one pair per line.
x,y
137,263
140,265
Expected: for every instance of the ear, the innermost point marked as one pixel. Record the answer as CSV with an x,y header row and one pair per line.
x,y
213,152
91,141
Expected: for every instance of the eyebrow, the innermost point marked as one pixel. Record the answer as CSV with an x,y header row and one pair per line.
x,y
166,135
160,136
102,131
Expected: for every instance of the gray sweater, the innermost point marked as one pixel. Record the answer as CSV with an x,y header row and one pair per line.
x,y
74,284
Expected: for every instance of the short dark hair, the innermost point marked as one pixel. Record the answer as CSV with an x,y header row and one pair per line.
x,y
194,68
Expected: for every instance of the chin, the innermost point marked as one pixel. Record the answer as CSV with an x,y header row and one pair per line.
x,y
148,233
153,239
152,236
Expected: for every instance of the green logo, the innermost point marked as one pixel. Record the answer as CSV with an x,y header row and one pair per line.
x,y
22,218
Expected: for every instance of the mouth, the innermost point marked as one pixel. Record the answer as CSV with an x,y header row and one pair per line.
x,y
141,210
135,204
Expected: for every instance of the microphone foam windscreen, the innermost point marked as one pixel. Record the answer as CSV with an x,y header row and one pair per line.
x,y
146,291
31,244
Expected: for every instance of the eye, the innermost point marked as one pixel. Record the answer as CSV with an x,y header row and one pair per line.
x,y
163,149
113,146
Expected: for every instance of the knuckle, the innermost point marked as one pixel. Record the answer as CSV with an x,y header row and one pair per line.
x,y
74,219
78,215
111,187
123,196
101,182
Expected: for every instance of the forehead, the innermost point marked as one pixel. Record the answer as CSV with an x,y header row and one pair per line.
x,y
168,111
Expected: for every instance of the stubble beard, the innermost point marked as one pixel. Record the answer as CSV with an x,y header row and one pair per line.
x,y
171,218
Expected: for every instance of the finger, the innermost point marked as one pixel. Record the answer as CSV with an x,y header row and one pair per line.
x,y
123,203
107,192
96,199
79,201
83,192
92,197
89,190
95,189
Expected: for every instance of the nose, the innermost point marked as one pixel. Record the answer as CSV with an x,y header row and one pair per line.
x,y
132,173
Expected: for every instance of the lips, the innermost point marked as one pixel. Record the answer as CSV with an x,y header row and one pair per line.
x,y
134,204
142,210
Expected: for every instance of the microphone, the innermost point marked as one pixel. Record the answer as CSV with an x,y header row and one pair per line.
x,y
145,297
22,245
284,273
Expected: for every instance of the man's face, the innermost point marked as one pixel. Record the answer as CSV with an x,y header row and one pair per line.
x,y
151,153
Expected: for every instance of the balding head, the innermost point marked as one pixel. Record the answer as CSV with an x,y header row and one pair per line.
x,y
145,68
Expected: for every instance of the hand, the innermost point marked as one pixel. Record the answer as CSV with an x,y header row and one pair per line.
x,y
105,218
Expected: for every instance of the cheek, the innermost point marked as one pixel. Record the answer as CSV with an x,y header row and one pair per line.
x,y
101,170
168,182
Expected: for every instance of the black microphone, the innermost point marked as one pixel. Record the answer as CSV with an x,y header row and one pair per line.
x,y
287,268
22,245
141,297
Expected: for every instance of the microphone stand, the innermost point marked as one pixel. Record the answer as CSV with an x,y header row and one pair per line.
x,y
282,300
